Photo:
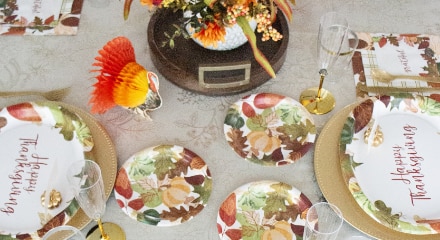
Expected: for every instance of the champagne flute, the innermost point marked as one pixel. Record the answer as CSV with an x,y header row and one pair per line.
x,y
331,36
86,179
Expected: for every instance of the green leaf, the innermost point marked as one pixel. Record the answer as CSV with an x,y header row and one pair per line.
x,y
141,167
253,199
163,161
252,39
204,190
288,113
347,132
234,119
152,198
150,216
430,106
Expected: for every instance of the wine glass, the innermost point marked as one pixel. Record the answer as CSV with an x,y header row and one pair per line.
x,y
331,36
86,180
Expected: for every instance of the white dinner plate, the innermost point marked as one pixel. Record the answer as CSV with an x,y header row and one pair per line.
x,y
393,175
38,142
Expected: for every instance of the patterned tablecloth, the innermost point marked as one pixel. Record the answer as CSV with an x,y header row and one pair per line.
x,y
192,120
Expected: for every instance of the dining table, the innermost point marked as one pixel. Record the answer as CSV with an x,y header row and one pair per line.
x,y
192,119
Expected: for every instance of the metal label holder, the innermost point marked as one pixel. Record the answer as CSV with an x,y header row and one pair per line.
x,y
224,75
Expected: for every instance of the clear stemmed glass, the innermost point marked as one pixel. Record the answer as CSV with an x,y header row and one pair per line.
x,y
331,36
86,180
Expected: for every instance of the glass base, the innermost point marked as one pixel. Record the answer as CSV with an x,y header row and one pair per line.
x,y
113,230
315,105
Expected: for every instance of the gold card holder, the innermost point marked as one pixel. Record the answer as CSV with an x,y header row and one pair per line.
x,y
224,75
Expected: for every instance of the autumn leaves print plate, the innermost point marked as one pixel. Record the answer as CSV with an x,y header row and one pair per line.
x,y
38,142
269,129
163,185
389,159
263,210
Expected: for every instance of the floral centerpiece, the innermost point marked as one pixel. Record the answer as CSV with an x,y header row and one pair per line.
x,y
210,18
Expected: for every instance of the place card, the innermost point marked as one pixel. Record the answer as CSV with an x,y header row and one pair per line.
x,y
406,58
39,17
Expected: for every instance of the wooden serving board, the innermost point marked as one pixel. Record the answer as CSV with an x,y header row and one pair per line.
x,y
222,71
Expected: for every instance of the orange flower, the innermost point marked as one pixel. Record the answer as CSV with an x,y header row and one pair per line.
x,y
210,35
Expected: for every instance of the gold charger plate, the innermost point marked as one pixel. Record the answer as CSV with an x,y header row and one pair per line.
x,y
103,153
329,176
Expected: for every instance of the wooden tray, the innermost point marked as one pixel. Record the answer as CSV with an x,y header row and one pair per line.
x,y
223,72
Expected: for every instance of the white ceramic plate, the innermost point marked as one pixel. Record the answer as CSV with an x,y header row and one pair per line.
x,y
163,185
263,210
269,129
396,180
38,142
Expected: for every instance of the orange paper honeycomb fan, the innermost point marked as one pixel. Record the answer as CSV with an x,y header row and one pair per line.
x,y
122,81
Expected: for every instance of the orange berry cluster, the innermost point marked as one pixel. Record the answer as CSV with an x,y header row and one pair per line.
x,y
265,26
234,12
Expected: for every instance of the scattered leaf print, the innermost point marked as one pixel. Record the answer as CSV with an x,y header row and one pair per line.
x,y
234,119
267,100
362,114
228,210
174,214
3,122
150,216
238,142
24,111
385,215
122,186
136,204
248,110
234,234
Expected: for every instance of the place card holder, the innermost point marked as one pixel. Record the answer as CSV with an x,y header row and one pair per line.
x,y
224,75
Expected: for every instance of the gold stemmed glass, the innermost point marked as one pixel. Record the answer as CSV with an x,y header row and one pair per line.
x,y
331,36
86,181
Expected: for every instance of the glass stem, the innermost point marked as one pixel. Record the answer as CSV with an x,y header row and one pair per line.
x,y
322,73
104,235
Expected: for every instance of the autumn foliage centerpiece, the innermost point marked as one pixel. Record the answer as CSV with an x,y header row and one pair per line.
x,y
210,18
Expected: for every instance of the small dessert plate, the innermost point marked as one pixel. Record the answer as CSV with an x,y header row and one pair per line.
x,y
269,129
164,185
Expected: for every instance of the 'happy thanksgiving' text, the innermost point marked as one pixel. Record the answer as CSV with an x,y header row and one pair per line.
x,y
409,166
25,174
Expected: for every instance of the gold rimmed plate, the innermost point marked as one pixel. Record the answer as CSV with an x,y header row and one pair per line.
x,y
36,137
388,145
328,173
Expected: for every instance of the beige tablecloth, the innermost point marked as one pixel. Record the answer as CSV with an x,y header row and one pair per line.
x,y
192,120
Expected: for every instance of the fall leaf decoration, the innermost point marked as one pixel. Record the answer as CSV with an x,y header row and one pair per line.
x,y
163,185
362,113
269,129
263,210
24,111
